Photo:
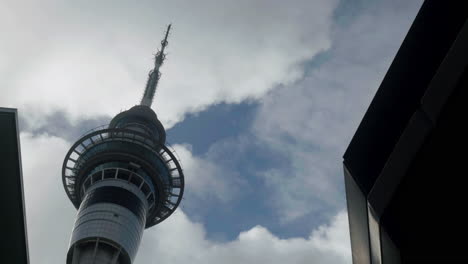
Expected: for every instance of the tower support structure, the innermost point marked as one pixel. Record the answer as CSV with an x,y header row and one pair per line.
x,y
122,179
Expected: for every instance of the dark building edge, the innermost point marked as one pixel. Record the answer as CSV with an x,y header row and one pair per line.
x,y
12,192
425,46
400,119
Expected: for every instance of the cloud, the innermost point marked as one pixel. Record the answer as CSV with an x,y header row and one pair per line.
x,y
178,240
205,180
87,58
49,213
313,120
56,124
50,218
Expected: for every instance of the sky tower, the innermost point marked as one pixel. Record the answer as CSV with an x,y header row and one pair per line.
x,y
122,179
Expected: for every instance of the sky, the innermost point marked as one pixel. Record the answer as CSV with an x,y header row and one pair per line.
x,y
259,99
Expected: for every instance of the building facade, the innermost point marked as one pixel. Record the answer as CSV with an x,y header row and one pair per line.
x,y
14,242
404,171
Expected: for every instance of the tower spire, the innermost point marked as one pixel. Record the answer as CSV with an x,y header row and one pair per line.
x,y
155,74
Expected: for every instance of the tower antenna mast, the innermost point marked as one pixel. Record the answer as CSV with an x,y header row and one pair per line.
x,y
155,74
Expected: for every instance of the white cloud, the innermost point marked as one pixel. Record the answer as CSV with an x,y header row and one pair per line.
x,y
50,217
205,180
313,120
49,213
89,58
178,240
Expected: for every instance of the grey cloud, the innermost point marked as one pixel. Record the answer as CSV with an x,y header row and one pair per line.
x,y
312,121
49,214
63,56
58,124
182,241
74,55
207,181
176,240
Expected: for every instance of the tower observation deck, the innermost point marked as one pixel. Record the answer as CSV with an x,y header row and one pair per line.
x,y
122,179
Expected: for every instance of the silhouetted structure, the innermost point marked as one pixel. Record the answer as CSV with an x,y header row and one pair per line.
x,y
122,179
405,175
14,242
